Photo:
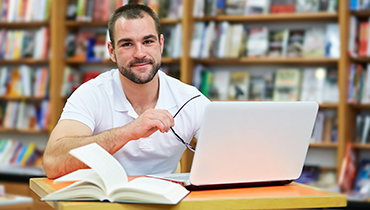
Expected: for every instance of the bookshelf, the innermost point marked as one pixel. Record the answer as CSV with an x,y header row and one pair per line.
x,y
345,117
59,27
27,25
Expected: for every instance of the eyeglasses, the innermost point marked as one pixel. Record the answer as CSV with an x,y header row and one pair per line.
x,y
173,131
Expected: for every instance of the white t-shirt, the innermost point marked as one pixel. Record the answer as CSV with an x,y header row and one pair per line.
x,y
101,104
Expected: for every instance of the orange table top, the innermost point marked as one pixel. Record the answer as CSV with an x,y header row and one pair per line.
x,y
293,195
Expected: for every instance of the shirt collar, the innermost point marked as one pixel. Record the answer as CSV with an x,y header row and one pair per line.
x,y
165,98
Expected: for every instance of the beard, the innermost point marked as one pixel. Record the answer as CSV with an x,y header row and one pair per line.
x,y
129,74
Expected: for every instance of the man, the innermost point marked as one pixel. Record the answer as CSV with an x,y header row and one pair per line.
x,y
128,111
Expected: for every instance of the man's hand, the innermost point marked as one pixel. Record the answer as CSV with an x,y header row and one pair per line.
x,y
149,122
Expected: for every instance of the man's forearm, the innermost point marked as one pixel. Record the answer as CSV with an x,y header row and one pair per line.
x,y
58,161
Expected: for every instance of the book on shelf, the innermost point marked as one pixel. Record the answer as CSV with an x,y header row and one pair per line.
x,y
234,40
196,42
41,49
366,87
331,89
210,8
358,5
82,41
235,7
310,174
332,41
313,84
326,127
362,128
208,42
363,38
177,43
239,85
4,80
330,129
269,86
353,37
197,76
310,6
287,84
41,82
278,43
257,42
171,70
107,180
224,36
362,182
207,87
314,42
164,7
257,88
71,11
282,6
348,171
20,158
317,132
175,9
24,11
220,84
356,83
24,115
253,7
72,79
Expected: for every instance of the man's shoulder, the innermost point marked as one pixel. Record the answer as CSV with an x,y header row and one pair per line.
x,y
176,84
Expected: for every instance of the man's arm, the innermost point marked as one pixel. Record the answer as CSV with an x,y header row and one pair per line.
x,y
70,134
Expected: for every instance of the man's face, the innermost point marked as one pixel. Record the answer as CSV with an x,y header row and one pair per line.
x,y
137,49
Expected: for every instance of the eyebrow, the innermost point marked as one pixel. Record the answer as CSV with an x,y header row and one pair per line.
x,y
151,36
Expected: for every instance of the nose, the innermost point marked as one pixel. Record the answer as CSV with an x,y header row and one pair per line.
x,y
139,52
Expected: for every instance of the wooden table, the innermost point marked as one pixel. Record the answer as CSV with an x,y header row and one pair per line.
x,y
275,197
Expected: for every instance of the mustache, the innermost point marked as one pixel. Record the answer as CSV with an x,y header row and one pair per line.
x,y
141,61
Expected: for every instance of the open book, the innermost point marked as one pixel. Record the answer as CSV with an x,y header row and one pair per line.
x,y
107,180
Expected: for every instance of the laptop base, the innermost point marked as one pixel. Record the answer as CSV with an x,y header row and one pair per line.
x,y
237,185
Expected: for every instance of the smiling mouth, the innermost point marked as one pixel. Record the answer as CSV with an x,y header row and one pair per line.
x,y
140,64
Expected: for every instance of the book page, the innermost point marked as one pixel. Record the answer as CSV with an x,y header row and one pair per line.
x,y
87,175
104,164
150,190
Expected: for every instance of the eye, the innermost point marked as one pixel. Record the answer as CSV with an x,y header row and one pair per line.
x,y
148,41
127,44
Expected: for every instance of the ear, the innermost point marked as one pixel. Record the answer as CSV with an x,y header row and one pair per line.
x,y
161,42
111,52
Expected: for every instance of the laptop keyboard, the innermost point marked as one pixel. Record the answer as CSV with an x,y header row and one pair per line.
x,y
175,177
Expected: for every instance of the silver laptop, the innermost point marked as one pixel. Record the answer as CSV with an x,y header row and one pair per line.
x,y
250,144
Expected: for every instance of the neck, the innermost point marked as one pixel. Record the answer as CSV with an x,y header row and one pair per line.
x,y
141,96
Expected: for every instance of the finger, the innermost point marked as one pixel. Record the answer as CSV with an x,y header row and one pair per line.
x,y
165,117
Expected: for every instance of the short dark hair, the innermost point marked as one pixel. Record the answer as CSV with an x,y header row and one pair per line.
x,y
132,11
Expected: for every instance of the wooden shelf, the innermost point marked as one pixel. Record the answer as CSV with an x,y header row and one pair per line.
x,y
19,98
360,106
93,24
167,60
329,106
169,21
23,131
78,61
333,145
28,61
361,14
268,61
360,59
289,17
362,146
12,25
